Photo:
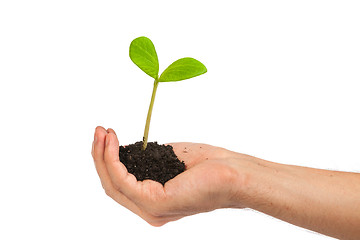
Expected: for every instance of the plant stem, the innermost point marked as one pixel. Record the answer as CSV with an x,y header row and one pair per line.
x,y
147,125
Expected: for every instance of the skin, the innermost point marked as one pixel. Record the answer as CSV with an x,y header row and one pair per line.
x,y
324,201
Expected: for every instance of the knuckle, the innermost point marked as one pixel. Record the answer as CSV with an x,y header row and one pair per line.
x,y
92,150
155,221
108,192
116,186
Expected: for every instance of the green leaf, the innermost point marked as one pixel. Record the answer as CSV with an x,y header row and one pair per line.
x,y
143,54
182,69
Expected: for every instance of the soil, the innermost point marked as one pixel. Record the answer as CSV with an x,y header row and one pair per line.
x,y
157,162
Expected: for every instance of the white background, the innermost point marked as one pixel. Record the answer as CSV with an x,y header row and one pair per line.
x,y
282,85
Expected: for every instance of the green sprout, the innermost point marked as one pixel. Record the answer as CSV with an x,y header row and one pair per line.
x,y
143,54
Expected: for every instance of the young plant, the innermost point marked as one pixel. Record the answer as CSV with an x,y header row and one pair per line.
x,y
143,54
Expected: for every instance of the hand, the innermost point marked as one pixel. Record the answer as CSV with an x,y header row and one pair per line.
x,y
207,184
320,200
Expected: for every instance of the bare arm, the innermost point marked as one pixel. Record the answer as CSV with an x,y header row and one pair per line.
x,y
324,201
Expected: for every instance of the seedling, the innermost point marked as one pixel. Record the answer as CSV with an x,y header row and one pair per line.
x,y
143,54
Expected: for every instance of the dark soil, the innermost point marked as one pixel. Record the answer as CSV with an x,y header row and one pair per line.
x,y
157,162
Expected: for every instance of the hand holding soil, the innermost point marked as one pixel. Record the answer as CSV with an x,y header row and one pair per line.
x,y
324,201
207,184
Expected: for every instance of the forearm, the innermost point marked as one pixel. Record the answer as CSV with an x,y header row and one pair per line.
x,y
323,201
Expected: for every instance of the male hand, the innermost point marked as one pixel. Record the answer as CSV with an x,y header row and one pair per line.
x,y
208,182
320,200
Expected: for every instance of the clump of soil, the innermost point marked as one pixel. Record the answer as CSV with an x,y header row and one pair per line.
x,y
157,162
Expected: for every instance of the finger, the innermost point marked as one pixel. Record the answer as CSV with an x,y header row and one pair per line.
x,y
98,155
123,181
99,143
97,129
110,130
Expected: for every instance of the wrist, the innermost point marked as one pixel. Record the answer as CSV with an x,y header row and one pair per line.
x,y
252,181
243,169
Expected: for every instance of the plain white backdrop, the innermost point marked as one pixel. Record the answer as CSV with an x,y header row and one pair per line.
x,y
282,85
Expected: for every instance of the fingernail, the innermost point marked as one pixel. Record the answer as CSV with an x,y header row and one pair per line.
x,y
95,139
